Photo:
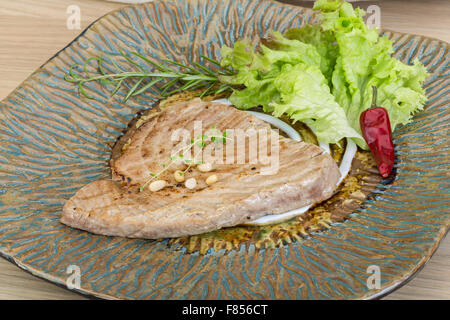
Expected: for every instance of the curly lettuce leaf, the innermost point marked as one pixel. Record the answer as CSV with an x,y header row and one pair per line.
x,y
291,82
364,60
306,97
323,41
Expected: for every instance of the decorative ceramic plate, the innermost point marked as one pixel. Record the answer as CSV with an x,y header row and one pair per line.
x,y
53,141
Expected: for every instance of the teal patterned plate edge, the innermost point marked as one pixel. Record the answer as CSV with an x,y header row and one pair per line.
x,y
53,141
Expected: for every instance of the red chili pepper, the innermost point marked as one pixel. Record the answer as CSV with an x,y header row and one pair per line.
x,y
376,130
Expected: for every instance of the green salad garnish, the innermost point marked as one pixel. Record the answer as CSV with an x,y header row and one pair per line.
x,y
319,74
323,74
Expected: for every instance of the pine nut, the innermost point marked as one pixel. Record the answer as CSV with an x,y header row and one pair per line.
x,y
190,183
211,179
179,176
204,167
157,185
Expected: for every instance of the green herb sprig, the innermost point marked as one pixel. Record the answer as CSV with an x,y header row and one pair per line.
x,y
171,76
201,141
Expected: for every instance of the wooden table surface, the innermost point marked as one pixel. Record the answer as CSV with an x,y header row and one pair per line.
x,y
31,31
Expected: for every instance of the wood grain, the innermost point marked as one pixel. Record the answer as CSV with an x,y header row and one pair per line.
x,y
31,32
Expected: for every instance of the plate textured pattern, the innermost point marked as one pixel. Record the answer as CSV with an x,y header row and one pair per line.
x,y
52,142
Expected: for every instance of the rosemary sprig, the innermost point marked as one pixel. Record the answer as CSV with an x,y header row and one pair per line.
x,y
171,76
200,142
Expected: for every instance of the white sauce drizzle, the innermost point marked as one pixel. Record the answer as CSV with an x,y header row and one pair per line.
x,y
344,167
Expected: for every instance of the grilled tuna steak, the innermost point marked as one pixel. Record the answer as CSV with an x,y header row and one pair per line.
x,y
306,175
